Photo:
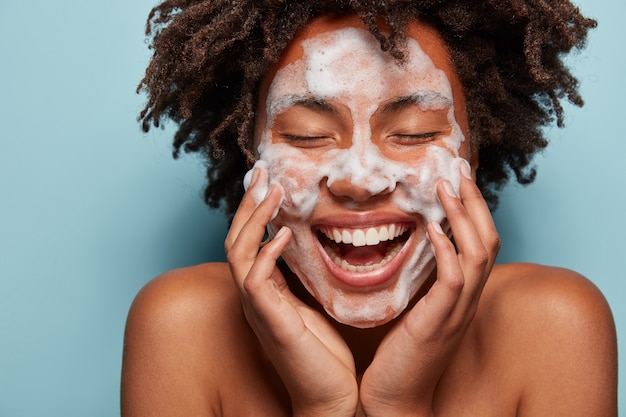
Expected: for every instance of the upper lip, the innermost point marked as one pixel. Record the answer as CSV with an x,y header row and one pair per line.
x,y
361,220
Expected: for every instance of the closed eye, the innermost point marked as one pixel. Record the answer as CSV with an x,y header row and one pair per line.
x,y
302,138
413,139
307,141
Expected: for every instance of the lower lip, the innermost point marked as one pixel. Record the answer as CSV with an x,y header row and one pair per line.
x,y
371,279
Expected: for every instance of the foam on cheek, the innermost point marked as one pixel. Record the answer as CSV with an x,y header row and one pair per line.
x,y
418,190
298,176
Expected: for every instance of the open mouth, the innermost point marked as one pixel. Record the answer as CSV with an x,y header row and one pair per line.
x,y
363,250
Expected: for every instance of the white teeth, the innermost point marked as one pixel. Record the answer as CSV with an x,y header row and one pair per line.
x,y
383,234
361,237
343,264
358,238
372,237
346,237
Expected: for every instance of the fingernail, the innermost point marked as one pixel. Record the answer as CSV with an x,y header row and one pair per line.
x,y
447,187
437,227
281,232
465,169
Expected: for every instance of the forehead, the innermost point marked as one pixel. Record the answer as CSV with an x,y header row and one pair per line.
x,y
347,64
428,39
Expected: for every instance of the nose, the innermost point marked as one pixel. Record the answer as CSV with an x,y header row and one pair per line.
x,y
359,188
361,172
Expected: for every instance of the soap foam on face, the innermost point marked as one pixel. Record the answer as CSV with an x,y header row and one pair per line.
x,y
326,71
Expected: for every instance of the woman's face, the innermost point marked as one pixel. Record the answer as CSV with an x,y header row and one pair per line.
x,y
358,143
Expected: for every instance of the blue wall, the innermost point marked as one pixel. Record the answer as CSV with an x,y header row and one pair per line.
x,y
91,208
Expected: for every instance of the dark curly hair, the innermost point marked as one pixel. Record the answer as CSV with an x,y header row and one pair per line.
x,y
210,56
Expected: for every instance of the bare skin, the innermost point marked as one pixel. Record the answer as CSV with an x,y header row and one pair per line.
x,y
245,339
542,343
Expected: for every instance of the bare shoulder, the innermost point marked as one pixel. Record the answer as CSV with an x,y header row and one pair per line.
x,y
557,292
202,289
560,330
181,337
188,303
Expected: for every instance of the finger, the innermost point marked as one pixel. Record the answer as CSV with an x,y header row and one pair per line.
x,y
479,213
246,206
446,291
266,291
263,275
245,248
445,305
473,257
474,261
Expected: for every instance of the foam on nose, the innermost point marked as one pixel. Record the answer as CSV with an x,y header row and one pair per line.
x,y
364,167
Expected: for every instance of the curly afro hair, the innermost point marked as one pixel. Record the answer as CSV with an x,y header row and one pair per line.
x,y
211,55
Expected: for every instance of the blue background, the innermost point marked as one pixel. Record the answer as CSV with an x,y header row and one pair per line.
x,y
91,208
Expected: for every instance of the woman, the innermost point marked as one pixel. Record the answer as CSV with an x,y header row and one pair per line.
x,y
367,126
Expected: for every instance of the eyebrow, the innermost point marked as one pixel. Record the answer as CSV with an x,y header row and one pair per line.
x,y
433,101
309,102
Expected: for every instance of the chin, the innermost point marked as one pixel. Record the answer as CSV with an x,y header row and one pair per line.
x,y
369,310
376,307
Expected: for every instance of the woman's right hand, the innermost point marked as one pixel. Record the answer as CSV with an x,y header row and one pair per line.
x,y
311,357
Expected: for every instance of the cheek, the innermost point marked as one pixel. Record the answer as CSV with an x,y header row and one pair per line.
x,y
417,189
299,176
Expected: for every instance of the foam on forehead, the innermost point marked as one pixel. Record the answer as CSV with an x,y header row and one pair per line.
x,y
350,58
346,61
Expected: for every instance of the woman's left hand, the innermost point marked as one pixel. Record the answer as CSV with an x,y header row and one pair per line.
x,y
409,362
